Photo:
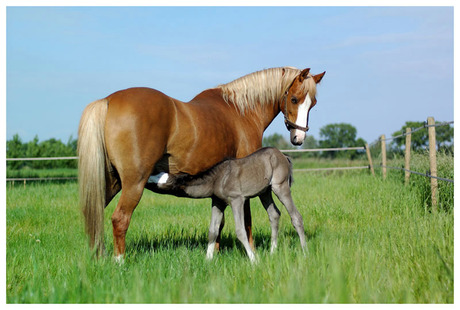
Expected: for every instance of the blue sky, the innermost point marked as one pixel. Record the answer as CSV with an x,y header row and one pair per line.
x,y
384,65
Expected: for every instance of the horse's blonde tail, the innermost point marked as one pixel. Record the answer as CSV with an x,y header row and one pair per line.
x,y
92,161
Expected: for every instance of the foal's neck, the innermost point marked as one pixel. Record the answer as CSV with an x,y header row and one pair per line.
x,y
202,185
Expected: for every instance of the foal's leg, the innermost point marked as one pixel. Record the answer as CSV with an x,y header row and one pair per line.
x,y
273,214
221,226
217,215
238,213
248,223
283,192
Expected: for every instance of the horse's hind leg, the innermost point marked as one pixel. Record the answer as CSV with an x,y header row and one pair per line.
x,y
121,217
238,214
217,216
283,192
273,214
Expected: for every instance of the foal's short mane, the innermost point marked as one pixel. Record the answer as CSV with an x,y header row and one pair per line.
x,y
263,87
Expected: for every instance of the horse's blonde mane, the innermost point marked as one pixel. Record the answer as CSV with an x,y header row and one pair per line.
x,y
263,87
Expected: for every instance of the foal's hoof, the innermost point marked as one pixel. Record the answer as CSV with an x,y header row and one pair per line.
x,y
253,258
305,250
273,248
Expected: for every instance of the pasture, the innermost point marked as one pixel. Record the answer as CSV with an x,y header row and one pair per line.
x,y
369,241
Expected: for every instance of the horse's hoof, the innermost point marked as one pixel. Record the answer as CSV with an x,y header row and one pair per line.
x,y
120,260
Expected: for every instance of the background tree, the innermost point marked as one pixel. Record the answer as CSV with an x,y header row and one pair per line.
x,y
419,139
276,140
340,135
15,148
445,137
310,143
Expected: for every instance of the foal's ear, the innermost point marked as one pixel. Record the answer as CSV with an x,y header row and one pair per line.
x,y
317,78
304,74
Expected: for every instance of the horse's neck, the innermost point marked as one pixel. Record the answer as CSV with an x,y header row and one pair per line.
x,y
261,114
267,113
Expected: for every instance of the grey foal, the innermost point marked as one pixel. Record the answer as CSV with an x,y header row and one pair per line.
x,y
235,180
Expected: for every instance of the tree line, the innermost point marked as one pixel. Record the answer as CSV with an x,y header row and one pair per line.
x,y
330,136
16,148
345,135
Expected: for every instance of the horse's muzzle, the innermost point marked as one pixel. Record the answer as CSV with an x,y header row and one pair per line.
x,y
297,136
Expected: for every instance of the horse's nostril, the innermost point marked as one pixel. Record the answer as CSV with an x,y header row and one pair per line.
x,y
295,141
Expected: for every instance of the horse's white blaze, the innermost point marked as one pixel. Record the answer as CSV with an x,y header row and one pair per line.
x,y
160,178
302,115
210,252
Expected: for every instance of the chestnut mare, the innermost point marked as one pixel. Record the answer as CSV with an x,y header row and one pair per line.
x,y
137,134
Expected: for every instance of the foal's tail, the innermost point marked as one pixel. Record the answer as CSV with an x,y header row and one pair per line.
x,y
92,161
291,176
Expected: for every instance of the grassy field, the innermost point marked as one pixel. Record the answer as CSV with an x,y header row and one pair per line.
x,y
369,241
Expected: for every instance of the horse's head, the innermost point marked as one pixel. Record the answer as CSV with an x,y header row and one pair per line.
x,y
298,100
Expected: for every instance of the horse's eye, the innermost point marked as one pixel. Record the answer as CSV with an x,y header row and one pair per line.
x,y
294,100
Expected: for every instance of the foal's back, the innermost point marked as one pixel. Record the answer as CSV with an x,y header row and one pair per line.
x,y
251,175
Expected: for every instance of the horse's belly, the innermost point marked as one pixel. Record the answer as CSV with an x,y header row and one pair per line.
x,y
196,160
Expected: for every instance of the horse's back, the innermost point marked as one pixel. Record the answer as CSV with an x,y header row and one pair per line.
x,y
143,98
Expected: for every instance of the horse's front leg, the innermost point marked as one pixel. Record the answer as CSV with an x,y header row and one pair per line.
x,y
215,228
238,213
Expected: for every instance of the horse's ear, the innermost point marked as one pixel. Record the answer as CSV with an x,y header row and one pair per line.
x,y
317,78
304,74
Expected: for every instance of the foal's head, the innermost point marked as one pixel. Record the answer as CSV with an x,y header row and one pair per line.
x,y
298,100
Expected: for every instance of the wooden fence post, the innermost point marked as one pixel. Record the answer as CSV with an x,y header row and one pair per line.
x,y
433,167
368,152
407,155
384,156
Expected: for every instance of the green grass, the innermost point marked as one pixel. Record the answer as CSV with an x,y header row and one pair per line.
x,y
41,173
369,241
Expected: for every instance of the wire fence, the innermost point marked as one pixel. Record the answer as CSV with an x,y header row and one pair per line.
x,y
283,151
408,133
42,158
286,151
324,149
427,174
425,125
332,168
